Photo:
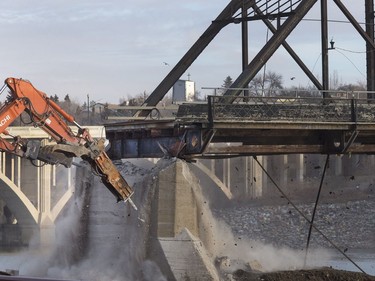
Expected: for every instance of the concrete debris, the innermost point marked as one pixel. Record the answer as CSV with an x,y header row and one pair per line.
x,y
188,258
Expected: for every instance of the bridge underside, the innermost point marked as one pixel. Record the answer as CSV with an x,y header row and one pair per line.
x,y
253,126
191,140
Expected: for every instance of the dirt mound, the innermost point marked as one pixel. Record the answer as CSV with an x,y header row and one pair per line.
x,y
322,274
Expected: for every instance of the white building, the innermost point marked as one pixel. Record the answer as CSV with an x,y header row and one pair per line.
x,y
183,91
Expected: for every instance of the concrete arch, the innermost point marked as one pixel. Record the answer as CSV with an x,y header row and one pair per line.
x,y
56,210
18,203
211,175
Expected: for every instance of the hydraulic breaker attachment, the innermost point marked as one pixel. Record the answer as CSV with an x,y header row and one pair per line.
x,y
112,178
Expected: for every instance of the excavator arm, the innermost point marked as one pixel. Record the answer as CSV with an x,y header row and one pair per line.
x,y
50,117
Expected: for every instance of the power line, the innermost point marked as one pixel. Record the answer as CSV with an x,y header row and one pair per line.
x,y
336,21
304,216
354,52
351,62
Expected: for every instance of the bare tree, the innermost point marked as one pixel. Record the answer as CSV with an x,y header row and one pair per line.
x,y
334,80
268,85
274,83
256,85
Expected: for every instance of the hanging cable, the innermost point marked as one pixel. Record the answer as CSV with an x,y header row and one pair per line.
x,y
34,163
306,218
265,67
315,207
351,62
317,59
354,52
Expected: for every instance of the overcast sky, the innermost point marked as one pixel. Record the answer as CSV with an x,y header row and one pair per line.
x,y
114,49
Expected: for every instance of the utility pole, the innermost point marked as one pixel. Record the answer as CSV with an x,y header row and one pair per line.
x,y
370,56
88,109
324,30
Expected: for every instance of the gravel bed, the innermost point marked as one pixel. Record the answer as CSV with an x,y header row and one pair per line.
x,y
347,225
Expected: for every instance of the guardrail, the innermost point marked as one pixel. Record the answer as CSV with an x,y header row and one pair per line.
x,y
293,92
37,133
127,112
293,109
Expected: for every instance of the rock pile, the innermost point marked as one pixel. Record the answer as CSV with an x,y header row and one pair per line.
x,y
348,225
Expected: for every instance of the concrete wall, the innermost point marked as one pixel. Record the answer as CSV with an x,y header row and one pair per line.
x,y
177,207
179,227
183,229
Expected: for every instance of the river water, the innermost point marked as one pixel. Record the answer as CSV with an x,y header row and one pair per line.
x,y
365,259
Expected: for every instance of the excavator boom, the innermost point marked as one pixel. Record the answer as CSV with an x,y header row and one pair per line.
x,y
50,117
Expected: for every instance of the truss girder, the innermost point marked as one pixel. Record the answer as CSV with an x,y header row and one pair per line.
x,y
193,53
235,11
270,47
291,52
370,58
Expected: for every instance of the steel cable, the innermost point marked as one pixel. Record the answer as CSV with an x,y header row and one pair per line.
x,y
306,218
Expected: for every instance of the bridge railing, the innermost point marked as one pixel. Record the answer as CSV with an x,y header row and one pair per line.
x,y
295,109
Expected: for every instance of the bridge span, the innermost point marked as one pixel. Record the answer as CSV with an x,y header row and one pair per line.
x,y
33,195
253,126
287,133
294,129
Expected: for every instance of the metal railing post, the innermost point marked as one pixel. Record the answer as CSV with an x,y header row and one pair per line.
x,y
353,110
210,111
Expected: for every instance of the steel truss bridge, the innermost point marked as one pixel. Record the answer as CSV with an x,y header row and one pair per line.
x,y
281,17
258,125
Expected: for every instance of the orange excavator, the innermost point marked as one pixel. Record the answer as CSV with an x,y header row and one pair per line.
x,y
50,117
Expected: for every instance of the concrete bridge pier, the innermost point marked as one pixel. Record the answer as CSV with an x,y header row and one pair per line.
x,y
255,178
177,207
45,221
38,189
184,227
179,227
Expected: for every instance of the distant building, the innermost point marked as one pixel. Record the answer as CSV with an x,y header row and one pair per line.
x,y
97,107
183,91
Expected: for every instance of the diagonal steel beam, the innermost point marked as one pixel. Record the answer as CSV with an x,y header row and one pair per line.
x,y
355,23
370,57
324,44
291,52
198,47
270,47
367,36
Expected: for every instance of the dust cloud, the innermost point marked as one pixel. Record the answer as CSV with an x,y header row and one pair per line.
x,y
112,247
117,234
232,252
